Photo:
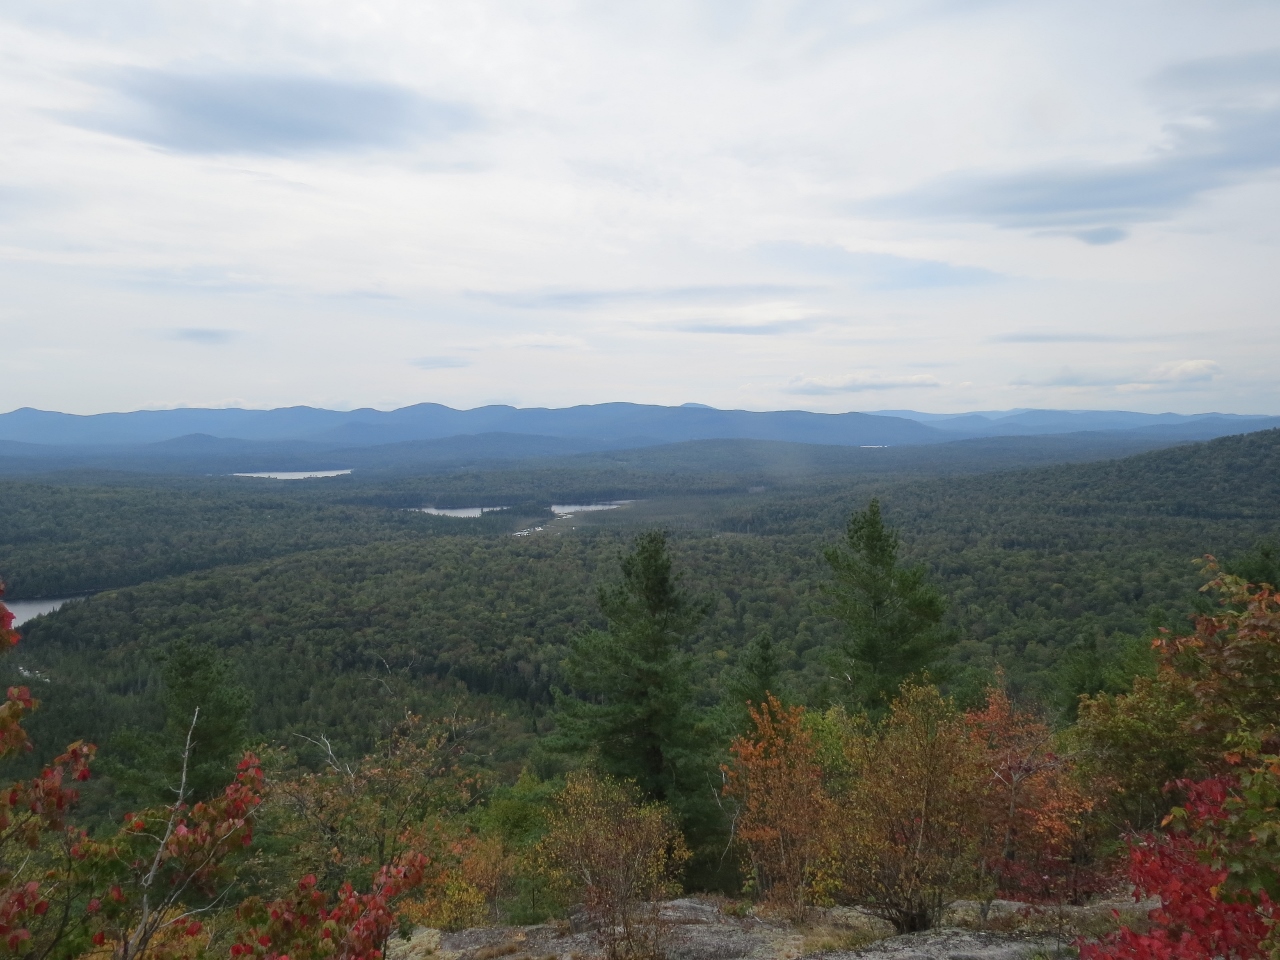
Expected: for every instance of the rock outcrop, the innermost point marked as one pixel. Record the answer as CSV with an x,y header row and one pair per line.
x,y
694,929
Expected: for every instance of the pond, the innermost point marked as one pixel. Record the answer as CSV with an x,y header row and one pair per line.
x,y
561,510
294,474
24,610
569,509
456,511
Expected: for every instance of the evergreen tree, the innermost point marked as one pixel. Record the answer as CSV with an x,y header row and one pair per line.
x,y
892,616
752,679
633,708
195,678
632,699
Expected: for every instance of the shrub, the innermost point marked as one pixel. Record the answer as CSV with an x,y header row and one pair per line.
x,y
906,830
783,810
620,855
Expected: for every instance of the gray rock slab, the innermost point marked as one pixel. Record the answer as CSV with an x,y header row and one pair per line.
x,y
953,943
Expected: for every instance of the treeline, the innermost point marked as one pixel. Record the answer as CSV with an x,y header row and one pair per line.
x,y
314,635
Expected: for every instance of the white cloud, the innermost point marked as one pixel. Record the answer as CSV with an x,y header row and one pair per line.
x,y
210,335
440,363
1185,371
1175,375
820,386
542,341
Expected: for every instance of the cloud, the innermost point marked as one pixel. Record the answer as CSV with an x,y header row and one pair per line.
x,y
364,295
1185,371
1230,79
1100,236
825,386
440,363
584,299
1228,131
1177,375
1048,336
274,114
543,341
204,279
203,335
767,329
880,271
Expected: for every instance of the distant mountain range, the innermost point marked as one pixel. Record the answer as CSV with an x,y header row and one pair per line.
x,y
208,440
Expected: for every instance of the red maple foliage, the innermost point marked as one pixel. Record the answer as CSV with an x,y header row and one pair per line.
x,y
1216,871
32,812
1198,917
303,927
1034,844
163,865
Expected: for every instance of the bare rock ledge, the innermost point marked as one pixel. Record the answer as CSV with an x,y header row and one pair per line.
x,y
699,930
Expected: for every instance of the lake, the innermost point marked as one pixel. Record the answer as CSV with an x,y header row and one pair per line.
x,y
456,511
24,610
569,509
559,509
295,474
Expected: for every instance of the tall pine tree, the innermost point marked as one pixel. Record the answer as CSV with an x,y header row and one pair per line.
x,y
755,676
631,702
632,709
892,615
202,698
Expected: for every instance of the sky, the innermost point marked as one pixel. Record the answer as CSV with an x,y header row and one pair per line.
x,y
830,206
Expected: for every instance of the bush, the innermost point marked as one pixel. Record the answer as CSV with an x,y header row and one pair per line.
x,y
619,855
907,826
783,809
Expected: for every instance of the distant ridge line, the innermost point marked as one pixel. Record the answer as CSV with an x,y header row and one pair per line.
x,y
624,424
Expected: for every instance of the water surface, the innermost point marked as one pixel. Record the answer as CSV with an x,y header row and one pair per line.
x,y
24,610
294,474
569,509
456,511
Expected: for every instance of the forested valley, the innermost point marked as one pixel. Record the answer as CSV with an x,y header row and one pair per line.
x,y
741,679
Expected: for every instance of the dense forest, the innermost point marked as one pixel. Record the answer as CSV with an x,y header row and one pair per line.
x,y
1038,566
813,610
81,531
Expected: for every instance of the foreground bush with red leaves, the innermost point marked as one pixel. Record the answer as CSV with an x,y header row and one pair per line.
x,y
1216,867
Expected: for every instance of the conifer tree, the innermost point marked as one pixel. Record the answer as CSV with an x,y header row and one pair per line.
x,y
633,709
751,681
195,677
892,616
631,704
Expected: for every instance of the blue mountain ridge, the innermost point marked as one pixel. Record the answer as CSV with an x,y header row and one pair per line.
x,y
588,426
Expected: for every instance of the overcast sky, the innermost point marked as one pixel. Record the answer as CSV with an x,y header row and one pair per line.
x,y
824,205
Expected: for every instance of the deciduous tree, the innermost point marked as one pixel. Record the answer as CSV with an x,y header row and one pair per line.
x,y
166,868
784,813
1217,872
1036,834
352,818
307,924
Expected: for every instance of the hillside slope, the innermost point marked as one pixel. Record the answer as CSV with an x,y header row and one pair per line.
x,y
1034,562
